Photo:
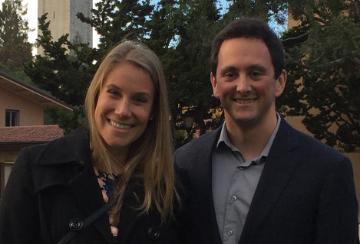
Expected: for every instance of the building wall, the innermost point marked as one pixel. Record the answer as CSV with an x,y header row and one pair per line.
x,y
63,20
58,14
8,155
30,113
80,32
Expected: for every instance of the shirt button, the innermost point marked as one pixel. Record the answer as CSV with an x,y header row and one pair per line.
x,y
229,232
234,198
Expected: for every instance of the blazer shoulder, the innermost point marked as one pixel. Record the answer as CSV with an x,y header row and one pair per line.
x,y
195,144
314,146
315,152
196,149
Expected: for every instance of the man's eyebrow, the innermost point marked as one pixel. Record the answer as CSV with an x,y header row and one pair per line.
x,y
228,69
257,66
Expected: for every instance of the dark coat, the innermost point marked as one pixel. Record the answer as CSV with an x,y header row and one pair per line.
x,y
305,194
54,185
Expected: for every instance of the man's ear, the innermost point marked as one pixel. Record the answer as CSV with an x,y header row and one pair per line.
x,y
280,83
213,84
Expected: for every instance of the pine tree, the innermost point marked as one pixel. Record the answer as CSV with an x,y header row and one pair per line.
x,y
15,50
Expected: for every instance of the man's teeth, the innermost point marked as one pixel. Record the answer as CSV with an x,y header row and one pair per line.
x,y
247,100
119,125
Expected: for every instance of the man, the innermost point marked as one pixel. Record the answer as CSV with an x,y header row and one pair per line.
x,y
256,180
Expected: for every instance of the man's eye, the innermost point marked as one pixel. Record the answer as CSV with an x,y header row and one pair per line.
x,y
255,74
229,75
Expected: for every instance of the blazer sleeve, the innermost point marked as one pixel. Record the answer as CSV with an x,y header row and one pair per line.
x,y
337,210
19,218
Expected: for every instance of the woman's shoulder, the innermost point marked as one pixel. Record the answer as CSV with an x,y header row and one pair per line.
x,y
56,151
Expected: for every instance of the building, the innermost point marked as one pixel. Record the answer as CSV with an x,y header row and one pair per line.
x,y
63,19
22,110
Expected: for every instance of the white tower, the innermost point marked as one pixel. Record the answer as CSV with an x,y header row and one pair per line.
x,y
63,20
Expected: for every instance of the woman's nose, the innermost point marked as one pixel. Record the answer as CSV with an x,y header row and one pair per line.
x,y
123,108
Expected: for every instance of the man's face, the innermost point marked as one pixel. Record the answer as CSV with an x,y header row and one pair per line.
x,y
245,82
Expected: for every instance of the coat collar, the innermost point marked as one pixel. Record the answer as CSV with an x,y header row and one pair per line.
x,y
74,148
66,162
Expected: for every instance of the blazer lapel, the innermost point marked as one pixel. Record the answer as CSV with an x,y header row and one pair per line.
x,y
277,172
203,183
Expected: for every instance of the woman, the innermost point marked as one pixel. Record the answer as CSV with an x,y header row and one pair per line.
x,y
57,192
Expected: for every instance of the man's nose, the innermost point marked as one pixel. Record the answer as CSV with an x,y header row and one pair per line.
x,y
243,84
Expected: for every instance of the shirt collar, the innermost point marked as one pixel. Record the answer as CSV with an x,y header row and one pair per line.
x,y
224,139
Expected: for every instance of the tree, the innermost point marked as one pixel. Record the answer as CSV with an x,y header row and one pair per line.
x,y
322,74
117,20
64,69
181,32
15,50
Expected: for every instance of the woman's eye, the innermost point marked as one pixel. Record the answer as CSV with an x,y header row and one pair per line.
x,y
141,99
112,92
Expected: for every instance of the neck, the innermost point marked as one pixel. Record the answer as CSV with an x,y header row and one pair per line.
x,y
252,138
120,156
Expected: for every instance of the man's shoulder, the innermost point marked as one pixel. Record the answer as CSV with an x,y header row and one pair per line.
x,y
197,148
314,147
207,139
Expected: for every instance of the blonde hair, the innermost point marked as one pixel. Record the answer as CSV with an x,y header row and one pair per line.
x,y
150,157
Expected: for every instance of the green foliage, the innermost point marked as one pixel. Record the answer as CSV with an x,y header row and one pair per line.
x,y
117,20
15,50
65,69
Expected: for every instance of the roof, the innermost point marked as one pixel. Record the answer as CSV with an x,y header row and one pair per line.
x,y
30,134
30,92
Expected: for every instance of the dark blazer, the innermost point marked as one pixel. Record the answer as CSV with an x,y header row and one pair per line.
x,y
305,194
54,185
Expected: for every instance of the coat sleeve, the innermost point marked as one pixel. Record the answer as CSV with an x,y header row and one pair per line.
x,y
19,218
337,211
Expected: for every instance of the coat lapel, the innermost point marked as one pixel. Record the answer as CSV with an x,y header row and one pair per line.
x,y
72,153
279,167
88,195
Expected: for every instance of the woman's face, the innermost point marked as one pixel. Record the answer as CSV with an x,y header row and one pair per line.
x,y
124,106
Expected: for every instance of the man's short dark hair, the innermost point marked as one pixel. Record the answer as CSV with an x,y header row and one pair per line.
x,y
250,28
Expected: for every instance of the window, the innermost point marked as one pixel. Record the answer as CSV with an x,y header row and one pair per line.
x,y
11,117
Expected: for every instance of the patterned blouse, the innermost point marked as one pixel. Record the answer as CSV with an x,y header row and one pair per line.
x,y
107,184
